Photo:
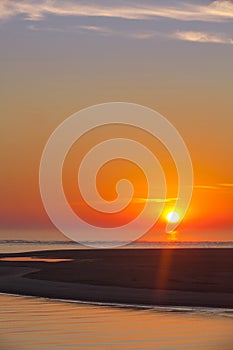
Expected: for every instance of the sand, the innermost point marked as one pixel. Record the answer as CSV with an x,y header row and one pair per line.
x,y
174,277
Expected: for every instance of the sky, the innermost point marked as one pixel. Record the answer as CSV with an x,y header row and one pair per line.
x,y
58,57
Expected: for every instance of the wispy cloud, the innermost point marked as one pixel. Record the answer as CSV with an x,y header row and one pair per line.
x,y
226,185
215,187
129,34
155,200
95,29
202,37
206,187
216,11
100,30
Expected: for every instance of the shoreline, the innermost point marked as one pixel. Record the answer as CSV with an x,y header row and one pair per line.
x,y
165,308
200,278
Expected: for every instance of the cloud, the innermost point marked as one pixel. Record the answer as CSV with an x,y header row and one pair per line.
x,y
108,31
36,28
226,185
214,187
95,28
216,11
105,31
155,200
206,187
202,37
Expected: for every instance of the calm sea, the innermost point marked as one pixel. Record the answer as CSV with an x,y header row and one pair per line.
x,y
15,246
38,323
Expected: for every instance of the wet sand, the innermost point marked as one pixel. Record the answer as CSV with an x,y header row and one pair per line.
x,y
176,277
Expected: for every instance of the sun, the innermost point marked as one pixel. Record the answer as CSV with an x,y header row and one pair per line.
x,y
173,216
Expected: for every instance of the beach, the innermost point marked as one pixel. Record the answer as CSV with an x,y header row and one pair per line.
x,y
172,277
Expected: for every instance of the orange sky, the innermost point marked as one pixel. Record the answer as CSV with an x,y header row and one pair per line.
x,y
51,68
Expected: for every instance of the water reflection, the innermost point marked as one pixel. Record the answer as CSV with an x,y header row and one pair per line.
x,y
28,258
33,323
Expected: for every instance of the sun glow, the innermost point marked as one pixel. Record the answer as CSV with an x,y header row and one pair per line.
x,y
173,217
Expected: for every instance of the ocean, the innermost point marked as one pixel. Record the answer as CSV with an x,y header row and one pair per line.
x,y
17,246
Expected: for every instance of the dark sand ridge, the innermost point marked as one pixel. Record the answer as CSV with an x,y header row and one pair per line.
x,y
188,277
